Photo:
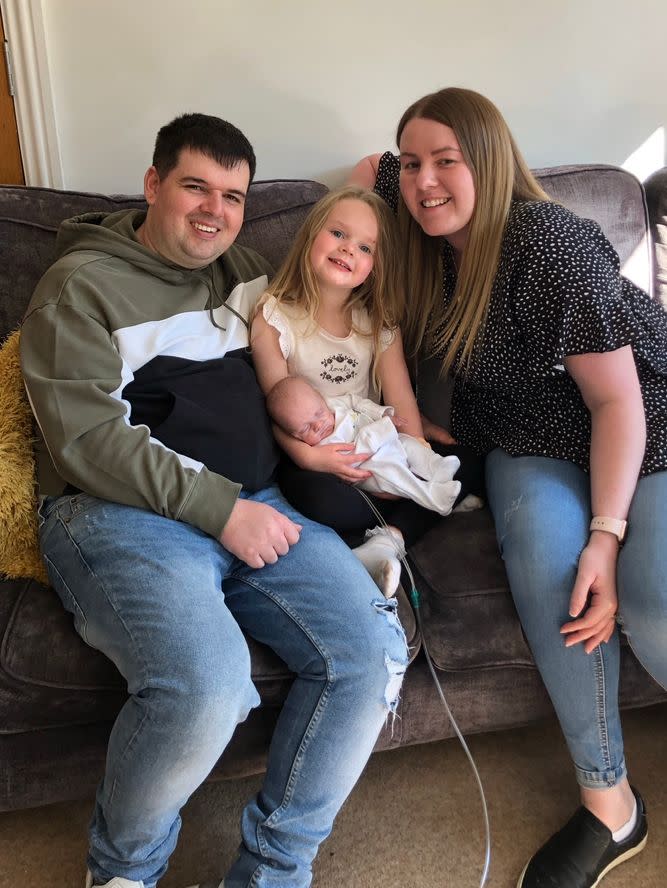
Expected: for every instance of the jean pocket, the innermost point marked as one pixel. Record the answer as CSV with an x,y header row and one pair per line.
x,y
81,502
46,508
77,514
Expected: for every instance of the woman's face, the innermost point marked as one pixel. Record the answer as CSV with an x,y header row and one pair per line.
x,y
436,184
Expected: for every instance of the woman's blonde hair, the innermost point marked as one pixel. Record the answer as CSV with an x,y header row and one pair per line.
x,y
381,294
500,175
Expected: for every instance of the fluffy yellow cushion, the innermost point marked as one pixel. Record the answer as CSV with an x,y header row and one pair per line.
x,y
19,549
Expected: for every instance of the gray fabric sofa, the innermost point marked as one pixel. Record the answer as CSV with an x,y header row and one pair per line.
x,y
58,698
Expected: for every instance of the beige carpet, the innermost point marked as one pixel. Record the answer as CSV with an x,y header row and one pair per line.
x,y
414,820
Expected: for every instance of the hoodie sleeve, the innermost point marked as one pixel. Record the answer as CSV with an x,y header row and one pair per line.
x,y
73,377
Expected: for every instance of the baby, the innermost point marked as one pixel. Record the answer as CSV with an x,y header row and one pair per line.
x,y
401,464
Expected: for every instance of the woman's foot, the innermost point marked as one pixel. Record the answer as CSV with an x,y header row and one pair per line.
x,y
613,805
380,555
582,853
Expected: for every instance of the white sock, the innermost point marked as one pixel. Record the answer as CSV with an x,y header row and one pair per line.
x,y
380,556
469,503
624,831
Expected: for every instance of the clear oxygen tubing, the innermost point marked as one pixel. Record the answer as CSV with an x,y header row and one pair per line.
x,y
416,604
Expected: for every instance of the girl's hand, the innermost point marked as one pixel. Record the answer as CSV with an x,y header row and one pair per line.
x,y
398,421
594,601
339,460
433,432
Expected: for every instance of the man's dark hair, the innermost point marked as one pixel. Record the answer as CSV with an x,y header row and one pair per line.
x,y
212,136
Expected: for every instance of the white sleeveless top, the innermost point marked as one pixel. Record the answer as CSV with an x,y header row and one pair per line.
x,y
334,365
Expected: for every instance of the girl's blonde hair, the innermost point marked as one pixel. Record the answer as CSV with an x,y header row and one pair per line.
x,y
500,175
381,294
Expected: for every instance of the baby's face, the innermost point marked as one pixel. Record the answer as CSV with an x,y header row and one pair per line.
x,y
311,420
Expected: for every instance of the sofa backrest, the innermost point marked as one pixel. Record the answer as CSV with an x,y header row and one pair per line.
x,y
29,220
615,199
30,217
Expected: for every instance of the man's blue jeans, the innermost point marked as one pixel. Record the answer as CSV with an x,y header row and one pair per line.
x,y
542,510
167,604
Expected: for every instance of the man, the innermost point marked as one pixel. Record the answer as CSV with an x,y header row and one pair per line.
x,y
164,555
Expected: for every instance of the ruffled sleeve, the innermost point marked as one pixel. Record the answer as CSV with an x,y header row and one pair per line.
x,y
568,295
274,316
387,336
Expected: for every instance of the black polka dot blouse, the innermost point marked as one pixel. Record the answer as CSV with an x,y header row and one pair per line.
x,y
557,292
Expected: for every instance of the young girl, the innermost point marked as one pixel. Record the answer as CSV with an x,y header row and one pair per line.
x,y
331,316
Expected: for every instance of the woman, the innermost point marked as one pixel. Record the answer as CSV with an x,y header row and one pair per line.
x,y
560,369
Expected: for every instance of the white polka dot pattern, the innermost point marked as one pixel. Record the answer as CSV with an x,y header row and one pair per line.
x,y
558,292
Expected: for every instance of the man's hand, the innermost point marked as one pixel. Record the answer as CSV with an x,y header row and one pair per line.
x,y
340,460
594,601
258,534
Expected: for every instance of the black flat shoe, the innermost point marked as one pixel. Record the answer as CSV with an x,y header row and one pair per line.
x,y
582,853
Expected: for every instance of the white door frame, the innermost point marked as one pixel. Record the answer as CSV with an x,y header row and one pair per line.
x,y
35,113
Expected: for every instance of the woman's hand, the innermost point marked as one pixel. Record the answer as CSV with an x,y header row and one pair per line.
x,y
340,460
594,601
433,432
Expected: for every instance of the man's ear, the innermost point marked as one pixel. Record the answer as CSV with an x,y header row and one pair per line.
x,y
151,185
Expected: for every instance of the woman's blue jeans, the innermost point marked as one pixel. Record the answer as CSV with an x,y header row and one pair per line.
x,y
167,604
542,510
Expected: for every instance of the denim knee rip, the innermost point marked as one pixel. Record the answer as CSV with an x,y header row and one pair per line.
x,y
395,668
514,506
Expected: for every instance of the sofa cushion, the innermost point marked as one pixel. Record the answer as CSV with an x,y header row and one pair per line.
x,y
26,251
50,678
615,199
275,210
469,620
29,220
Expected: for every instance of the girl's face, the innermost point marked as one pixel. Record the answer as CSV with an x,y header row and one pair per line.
x,y
342,252
436,184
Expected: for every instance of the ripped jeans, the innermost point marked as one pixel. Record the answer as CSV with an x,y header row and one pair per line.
x,y
167,604
542,511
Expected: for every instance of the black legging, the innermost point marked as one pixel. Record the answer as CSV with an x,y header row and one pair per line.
x,y
327,499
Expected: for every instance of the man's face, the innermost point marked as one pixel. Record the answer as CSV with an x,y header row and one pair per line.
x,y
196,211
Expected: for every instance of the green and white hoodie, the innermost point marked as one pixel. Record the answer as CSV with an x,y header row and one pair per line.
x,y
106,310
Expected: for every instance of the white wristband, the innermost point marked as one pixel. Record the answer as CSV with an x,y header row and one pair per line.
x,y
610,525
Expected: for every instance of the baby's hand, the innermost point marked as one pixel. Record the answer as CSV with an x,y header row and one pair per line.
x,y
340,460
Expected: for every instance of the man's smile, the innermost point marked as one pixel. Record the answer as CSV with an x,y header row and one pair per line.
x,y
204,228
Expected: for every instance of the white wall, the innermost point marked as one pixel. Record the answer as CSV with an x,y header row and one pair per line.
x,y
316,84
